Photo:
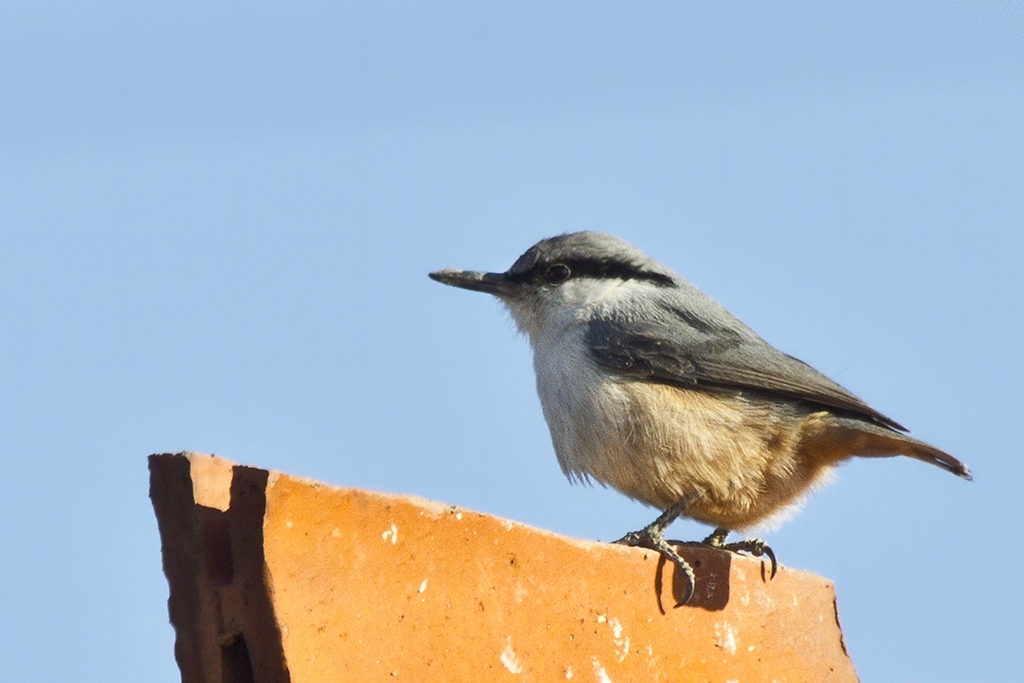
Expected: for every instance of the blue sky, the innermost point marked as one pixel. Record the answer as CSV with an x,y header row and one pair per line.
x,y
217,220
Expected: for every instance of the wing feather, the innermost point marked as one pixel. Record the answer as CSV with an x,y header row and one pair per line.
x,y
712,348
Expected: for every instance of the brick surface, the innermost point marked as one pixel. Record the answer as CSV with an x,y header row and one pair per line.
x,y
276,578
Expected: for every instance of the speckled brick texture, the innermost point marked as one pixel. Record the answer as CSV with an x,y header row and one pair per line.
x,y
275,578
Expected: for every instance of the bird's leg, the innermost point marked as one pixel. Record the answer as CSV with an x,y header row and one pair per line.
x,y
717,538
652,537
754,546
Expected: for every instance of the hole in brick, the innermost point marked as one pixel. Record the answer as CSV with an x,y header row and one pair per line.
x,y
215,538
235,663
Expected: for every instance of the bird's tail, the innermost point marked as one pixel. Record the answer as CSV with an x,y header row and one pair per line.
x,y
870,440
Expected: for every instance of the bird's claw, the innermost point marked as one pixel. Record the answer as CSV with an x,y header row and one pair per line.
x,y
757,548
754,546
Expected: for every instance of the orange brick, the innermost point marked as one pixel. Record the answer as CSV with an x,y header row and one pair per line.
x,y
275,578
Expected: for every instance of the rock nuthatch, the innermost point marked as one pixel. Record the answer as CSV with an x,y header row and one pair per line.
x,y
652,388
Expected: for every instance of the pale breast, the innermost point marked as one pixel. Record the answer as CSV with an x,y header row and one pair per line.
x,y
568,384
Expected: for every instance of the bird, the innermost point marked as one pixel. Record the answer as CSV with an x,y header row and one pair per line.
x,y
652,388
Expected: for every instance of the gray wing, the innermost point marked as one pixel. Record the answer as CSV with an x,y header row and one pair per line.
x,y
683,348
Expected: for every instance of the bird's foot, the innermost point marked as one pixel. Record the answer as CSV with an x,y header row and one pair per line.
x,y
754,546
652,537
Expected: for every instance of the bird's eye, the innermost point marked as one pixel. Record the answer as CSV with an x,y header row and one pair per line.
x,y
557,274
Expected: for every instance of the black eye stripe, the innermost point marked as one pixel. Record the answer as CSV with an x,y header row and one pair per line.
x,y
593,268
612,270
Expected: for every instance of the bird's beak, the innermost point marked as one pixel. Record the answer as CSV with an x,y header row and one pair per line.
x,y
497,284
